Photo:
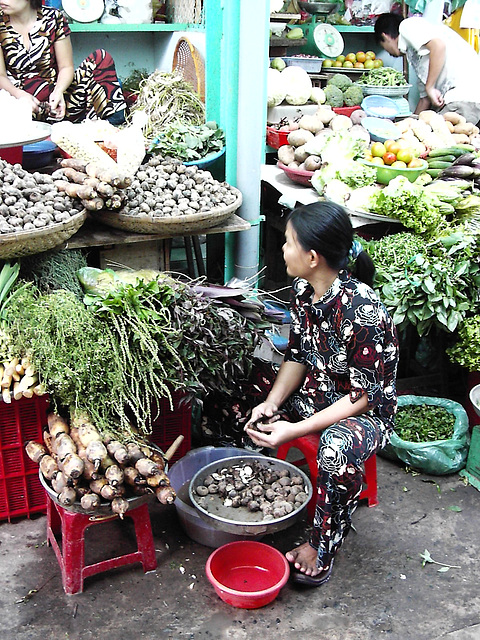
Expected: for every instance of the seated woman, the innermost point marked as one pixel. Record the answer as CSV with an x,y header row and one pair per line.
x,y
337,377
36,63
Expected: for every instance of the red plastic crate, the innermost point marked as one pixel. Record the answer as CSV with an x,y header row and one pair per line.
x,y
168,425
21,492
276,138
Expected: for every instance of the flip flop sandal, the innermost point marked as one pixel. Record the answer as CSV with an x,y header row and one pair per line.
x,y
311,581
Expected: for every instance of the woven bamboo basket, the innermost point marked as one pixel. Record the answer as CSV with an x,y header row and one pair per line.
x,y
188,61
25,243
169,226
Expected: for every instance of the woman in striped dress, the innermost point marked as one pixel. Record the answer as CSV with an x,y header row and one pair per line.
x,y
36,63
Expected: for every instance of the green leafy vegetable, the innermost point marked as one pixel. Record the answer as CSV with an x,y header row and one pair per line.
x,y
466,350
383,77
424,423
188,142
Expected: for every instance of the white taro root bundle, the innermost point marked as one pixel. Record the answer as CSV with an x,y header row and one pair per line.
x,y
18,378
81,466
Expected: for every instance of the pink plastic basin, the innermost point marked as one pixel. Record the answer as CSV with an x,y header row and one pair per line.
x,y
247,574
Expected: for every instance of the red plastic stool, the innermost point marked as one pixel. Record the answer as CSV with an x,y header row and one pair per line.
x,y
308,445
71,555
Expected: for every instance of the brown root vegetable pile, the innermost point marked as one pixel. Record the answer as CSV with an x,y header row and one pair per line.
x,y
82,467
254,487
166,188
96,187
31,201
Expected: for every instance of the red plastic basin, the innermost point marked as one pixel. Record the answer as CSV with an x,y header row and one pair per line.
x,y
247,574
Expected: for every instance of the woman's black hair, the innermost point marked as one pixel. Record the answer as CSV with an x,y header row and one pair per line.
x,y
387,23
36,4
325,228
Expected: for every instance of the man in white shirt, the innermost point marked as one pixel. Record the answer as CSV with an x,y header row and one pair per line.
x,y
447,67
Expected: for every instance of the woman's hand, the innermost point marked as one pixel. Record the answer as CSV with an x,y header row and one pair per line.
x,y
57,105
265,409
31,99
273,434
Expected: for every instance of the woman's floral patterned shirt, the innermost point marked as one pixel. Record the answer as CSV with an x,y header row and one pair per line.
x,y
349,344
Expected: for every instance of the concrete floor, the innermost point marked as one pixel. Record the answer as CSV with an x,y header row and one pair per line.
x,y
378,588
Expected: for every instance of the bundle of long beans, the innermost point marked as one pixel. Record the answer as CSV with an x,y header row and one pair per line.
x,y
166,98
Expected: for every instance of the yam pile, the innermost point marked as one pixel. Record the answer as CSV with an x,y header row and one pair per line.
x,y
82,467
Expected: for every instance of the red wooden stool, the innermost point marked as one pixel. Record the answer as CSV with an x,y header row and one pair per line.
x,y
71,555
308,445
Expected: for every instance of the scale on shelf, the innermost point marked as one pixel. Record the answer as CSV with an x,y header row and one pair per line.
x,y
328,40
84,10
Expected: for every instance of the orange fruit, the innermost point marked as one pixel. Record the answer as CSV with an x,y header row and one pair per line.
x,y
348,64
359,65
361,57
387,144
351,57
394,148
369,63
327,63
377,63
370,54
337,63
340,58
398,164
378,160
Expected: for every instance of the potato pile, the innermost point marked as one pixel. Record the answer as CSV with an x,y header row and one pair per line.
x,y
31,201
254,487
81,466
325,121
433,130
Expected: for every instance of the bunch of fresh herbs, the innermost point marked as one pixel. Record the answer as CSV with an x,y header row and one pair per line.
x,y
428,284
466,350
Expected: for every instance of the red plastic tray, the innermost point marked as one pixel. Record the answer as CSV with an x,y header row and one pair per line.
x,y
21,493
168,425
346,111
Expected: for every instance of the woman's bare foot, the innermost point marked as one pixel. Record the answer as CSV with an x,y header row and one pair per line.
x,y
304,558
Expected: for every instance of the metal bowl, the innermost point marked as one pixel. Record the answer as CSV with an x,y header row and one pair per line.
x,y
475,398
318,7
253,525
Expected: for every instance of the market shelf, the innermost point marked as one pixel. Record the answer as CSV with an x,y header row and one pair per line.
x,y
350,28
78,27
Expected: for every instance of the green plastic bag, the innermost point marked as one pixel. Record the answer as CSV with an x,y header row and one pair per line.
x,y
437,457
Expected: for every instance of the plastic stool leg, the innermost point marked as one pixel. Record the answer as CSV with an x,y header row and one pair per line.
x,y
143,531
73,551
370,493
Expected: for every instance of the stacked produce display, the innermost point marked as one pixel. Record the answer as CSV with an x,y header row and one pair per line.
x,y
82,466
